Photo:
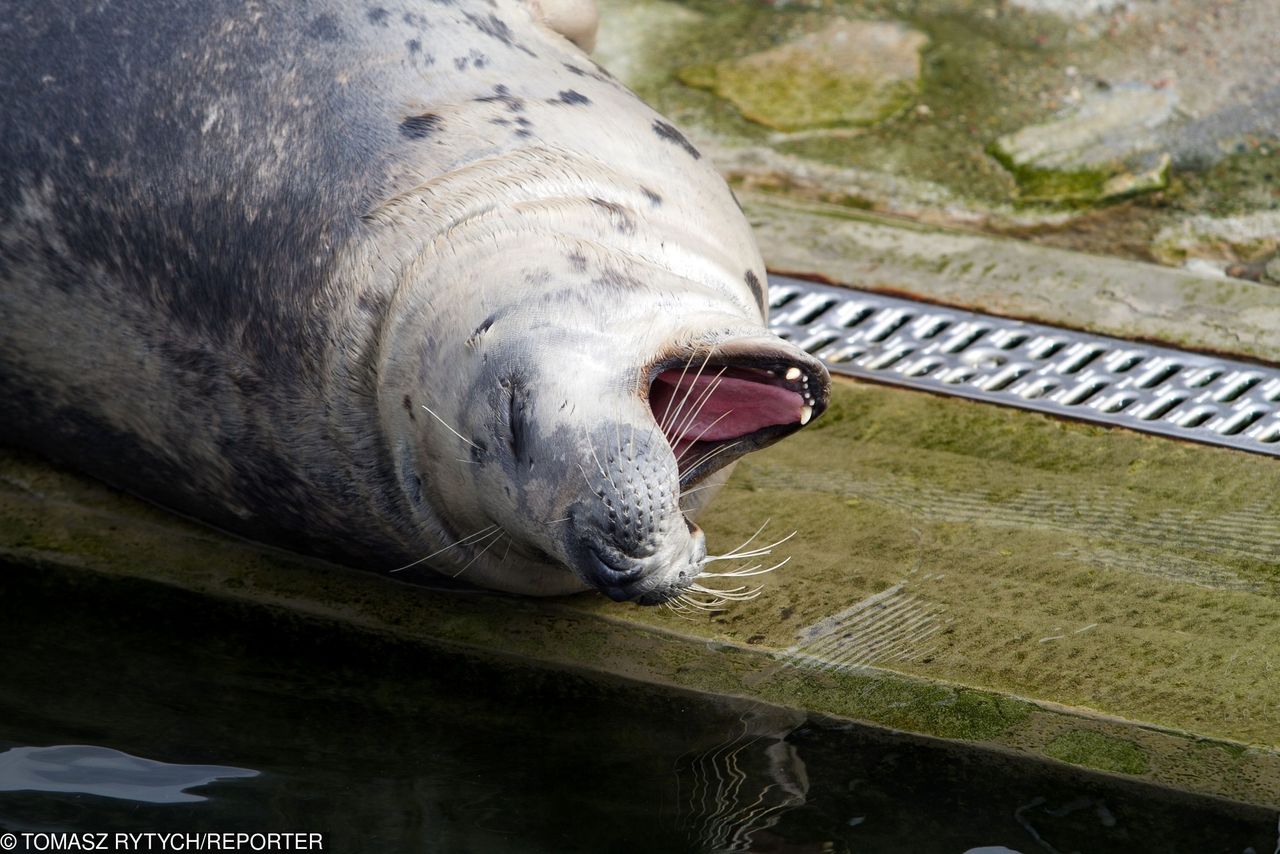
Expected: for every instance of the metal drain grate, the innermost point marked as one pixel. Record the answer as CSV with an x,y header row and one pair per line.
x,y
1031,366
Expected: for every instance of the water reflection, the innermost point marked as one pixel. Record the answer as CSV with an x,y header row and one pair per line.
x,y
735,790
108,773
390,747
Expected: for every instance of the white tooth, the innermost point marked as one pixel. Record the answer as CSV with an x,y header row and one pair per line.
x,y
806,412
793,374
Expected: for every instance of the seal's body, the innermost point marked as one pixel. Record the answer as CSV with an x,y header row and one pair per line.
x,y
378,281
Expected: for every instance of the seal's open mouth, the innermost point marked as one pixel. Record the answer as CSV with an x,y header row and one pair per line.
x,y
714,413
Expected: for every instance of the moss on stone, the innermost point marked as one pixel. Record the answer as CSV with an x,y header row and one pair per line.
x,y
851,72
82,527
1090,566
1081,187
1096,750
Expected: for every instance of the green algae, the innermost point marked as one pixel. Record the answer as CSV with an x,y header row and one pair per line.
x,y
1097,750
986,72
850,73
1080,187
1089,566
1244,181
973,78
733,653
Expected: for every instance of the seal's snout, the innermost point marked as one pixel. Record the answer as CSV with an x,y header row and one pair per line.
x,y
627,536
649,580
611,580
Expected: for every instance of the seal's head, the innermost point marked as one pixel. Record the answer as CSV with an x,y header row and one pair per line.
x,y
602,407
577,349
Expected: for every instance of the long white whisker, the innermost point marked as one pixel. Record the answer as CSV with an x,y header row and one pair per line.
x,y
689,447
590,485
699,588
447,427
670,422
708,456
701,606
480,534
738,594
497,535
746,572
751,538
756,552
607,476
698,405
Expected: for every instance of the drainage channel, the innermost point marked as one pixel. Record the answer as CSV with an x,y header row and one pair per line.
x,y
1031,366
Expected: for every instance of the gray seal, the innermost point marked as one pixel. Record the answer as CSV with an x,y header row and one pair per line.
x,y
398,284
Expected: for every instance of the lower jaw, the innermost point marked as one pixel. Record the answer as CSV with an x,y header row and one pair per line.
x,y
655,595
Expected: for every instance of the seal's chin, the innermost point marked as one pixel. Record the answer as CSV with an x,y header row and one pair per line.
x,y
714,412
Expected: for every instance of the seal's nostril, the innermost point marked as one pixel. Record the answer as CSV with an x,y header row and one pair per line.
x,y
606,575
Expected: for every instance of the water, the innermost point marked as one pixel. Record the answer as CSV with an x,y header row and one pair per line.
x,y
128,707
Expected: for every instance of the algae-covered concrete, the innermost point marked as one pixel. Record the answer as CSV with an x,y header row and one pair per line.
x,y
1200,138
1096,597
1111,296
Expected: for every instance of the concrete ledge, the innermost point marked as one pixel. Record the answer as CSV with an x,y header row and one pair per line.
x,y
974,685
1111,296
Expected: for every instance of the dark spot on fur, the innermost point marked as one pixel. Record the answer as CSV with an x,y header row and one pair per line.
x,y
325,28
248,383
495,27
619,217
420,127
414,45
616,280
408,407
372,302
599,73
378,16
572,98
474,338
654,198
753,282
668,132
195,367
473,59
501,94
578,262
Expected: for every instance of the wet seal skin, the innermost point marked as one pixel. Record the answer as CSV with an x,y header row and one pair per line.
x,y
402,284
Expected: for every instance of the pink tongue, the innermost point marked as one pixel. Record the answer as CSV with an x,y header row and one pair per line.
x,y
735,408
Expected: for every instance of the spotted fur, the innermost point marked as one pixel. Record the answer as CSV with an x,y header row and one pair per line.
x,y
255,257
